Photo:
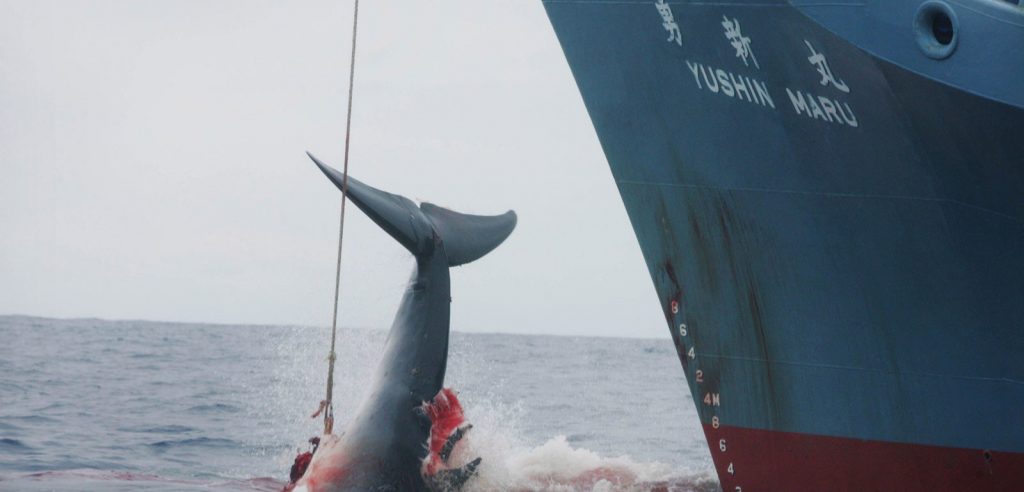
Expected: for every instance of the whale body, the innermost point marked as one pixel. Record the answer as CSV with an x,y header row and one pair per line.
x,y
403,433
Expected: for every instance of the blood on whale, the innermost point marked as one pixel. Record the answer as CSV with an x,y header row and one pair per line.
x,y
445,414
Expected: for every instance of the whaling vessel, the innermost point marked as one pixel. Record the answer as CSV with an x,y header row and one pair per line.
x,y
829,197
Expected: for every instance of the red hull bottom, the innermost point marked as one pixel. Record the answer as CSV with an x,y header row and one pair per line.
x,y
750,460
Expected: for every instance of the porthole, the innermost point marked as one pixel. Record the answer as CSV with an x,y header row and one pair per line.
x,y
936,29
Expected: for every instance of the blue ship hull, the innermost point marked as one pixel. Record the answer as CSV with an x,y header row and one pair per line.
x,y
830,201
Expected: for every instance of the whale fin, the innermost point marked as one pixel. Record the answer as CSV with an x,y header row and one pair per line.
x,y
465,237
396,214
454,479
453,439
469,237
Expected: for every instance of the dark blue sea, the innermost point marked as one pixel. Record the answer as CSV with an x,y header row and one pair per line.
x,y
102,405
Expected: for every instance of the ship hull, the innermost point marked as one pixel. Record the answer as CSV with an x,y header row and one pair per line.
x,y
837,246
788,461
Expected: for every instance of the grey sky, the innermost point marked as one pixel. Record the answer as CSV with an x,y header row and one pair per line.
x,y
152,164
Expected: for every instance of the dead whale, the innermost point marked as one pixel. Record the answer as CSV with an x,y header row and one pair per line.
x,y
402,435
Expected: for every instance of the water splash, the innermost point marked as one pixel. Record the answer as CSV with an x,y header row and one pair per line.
x,y
510,464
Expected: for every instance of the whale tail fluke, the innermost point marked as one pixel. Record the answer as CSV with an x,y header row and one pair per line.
x,y
466,237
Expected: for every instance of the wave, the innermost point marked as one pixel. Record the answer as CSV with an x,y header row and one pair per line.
x,y
32,419
88,479
8,427
216,407
557,466
160,429
13,445
202,442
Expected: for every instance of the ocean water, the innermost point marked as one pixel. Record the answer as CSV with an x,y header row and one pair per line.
x,y
129,405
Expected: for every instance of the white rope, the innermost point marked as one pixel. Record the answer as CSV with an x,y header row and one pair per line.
x,y
329,409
